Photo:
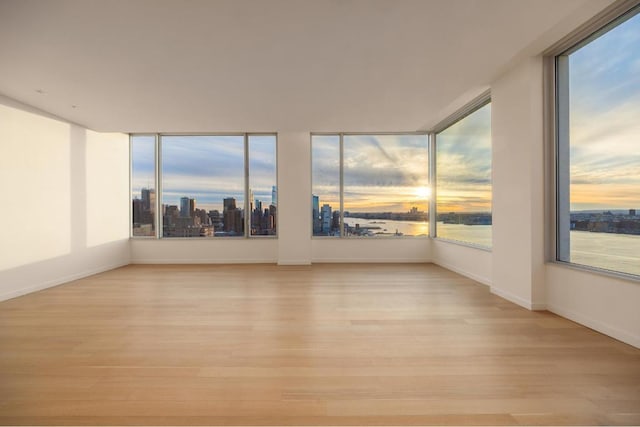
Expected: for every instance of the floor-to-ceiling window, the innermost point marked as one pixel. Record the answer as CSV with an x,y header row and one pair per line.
x,y
143,185
463,178
598,148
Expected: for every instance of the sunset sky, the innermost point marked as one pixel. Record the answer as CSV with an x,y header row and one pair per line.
x,y
463,156
382,173
605,120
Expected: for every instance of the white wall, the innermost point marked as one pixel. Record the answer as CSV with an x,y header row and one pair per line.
x,y
207,251
403,249
606,304
518,184
472,262
294,198
65,200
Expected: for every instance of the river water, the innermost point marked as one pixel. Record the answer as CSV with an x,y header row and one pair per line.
x,y
618,252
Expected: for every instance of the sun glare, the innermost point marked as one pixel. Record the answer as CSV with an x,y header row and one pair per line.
x,y
422,192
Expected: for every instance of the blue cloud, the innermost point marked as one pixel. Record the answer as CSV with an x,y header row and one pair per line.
x,y
604,77
463,152
606,71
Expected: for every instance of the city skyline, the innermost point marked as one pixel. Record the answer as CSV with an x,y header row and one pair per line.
x,y
187,219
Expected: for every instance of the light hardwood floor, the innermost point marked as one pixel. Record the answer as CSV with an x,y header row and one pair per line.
x,y
319,345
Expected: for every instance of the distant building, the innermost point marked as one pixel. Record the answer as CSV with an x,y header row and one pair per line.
x,y
201,218
148,199
229,204
274,196
216,219
315,214
143,211
184,207
138,209
232,217
632,212
335,221
238,222
272,219
325,215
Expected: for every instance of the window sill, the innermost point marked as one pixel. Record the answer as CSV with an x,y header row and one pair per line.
x,y
465,244
597,271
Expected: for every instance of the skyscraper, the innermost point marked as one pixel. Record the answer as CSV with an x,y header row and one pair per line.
x,y
274,196
315,212
192,208
148,199
326,219
232,217
184,207
229,204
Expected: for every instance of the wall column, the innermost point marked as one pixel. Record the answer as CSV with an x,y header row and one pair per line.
x,y
518,185
294,198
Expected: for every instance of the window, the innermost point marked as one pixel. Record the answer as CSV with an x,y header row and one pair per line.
x,y
143,189
208,182
370,185
598,149
263,192
325,199
463,179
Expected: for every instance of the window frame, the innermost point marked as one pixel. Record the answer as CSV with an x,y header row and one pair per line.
x,y
247,223
557,141
341,136
340,184
155,154
471,107
158,184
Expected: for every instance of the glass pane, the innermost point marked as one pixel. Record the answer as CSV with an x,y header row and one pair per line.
x,y
263,190
143,178
386,185
202,186
463,168
604,135
325,197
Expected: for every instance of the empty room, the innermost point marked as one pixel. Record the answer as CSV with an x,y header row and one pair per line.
x,y
331,212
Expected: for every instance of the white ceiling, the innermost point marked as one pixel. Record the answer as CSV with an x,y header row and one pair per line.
x,y
263,65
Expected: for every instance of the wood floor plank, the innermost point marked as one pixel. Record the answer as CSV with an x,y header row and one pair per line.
x,y
356,344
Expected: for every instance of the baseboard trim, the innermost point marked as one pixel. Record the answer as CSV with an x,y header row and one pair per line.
x,y
538,306
480,279
512,298
619,334
368,261
202,261
59,281
294,262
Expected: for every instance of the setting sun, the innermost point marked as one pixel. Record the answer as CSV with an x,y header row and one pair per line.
x,y
422,192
